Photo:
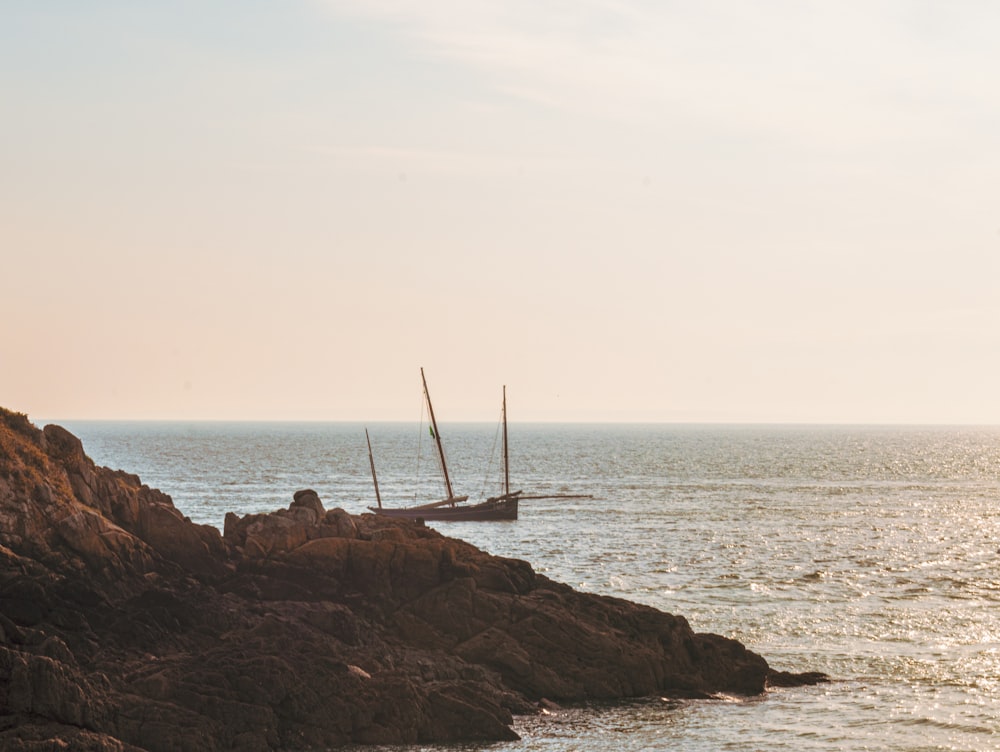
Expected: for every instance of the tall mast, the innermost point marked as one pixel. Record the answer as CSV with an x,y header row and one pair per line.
x,y
437,437
371,461
506,458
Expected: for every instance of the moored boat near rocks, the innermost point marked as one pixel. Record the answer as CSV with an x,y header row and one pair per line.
x,y
124,626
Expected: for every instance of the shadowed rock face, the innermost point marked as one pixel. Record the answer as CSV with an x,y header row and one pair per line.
x,y
124,626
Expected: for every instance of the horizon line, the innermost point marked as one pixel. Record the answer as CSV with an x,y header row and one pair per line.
x,y
383,421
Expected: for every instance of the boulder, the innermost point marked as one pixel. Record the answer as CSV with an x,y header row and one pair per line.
x,y
308,499
341,523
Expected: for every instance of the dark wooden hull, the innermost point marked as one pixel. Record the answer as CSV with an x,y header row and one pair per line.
x,y
491,510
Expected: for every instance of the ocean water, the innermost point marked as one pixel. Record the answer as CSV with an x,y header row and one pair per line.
x,y
868,553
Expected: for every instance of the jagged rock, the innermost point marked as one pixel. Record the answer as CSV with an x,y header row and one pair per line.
x,y
124,627
283,531
308,499
341,522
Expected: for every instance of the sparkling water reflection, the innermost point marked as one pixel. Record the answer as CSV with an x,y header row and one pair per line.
x,y
867,553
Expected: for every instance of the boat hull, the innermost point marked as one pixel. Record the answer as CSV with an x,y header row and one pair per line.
x,y
492,510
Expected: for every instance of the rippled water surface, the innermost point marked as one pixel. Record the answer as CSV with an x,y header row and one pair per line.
x,y
868,553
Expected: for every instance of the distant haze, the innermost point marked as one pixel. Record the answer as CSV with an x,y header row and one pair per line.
x,y
625,211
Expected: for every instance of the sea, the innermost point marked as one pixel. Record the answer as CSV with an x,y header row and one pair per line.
x,y
870,553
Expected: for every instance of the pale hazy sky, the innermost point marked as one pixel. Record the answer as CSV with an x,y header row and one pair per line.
x,y
720,210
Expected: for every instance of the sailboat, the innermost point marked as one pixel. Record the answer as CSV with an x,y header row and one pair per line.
x,y
502,507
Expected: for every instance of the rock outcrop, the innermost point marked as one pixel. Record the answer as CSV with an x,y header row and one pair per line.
x,y
125,627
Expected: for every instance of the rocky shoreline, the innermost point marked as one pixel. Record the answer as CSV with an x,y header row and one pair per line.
x,y
125,627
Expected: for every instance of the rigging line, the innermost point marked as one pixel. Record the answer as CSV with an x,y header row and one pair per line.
x,y
420,445
491,460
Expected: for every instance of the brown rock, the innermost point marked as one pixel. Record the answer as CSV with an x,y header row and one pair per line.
x,y
125,627
308,499
342,522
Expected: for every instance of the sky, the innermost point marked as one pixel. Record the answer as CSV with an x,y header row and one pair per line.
x,y
623,210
